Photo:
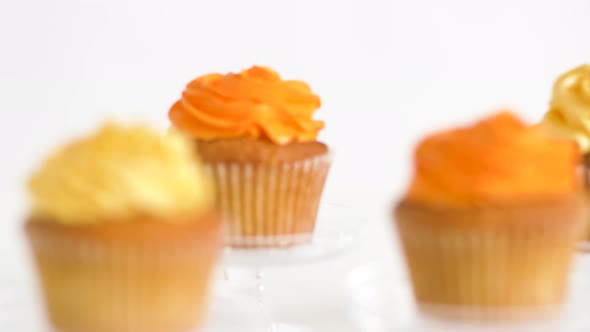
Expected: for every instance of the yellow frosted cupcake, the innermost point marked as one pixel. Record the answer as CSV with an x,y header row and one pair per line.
x,y
490,220
256,134
123,232
569,117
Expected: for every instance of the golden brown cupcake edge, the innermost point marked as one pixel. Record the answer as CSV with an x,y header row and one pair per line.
x,y
257,151
147,229
551,212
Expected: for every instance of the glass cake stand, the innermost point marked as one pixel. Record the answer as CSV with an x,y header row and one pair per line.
x,y
382,301
337,231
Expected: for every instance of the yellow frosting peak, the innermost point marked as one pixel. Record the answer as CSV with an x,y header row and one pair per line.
x,y
569,113
121,173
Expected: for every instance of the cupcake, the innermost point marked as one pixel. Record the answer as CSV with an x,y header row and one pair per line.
x,y
490,220
257,137
124,233
569,117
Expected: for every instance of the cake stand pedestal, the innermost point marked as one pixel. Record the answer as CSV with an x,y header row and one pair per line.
x,y
337,232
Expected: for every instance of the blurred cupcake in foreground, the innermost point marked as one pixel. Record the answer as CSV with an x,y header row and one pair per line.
x,y
124,233
569,117
490,220
257,136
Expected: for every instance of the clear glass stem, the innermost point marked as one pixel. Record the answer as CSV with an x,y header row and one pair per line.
x,y
252,282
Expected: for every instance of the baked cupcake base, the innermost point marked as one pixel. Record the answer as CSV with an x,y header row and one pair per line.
x,y
139,276
490,260
585,170
269,194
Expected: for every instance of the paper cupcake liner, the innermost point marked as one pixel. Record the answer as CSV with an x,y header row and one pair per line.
x,y
270,205
584,244
585,238
488,272
116,286
584,174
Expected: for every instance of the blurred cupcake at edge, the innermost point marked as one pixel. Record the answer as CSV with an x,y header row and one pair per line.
x,y
123,233
257,137
490,220
569,118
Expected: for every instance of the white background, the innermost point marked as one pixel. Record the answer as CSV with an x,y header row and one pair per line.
x,y
387,71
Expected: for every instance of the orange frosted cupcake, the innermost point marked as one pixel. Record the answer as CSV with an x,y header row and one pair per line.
x,y
569,117
490,220
257,137
123,233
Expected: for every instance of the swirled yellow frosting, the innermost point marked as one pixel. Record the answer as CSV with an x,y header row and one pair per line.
x,y
569,113
121,173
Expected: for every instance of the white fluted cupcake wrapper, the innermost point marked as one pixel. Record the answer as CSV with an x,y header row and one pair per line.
x,y
488,274
270,205
584,175
97,286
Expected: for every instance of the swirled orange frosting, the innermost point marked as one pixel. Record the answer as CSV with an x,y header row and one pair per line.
x,y
499,160
253,103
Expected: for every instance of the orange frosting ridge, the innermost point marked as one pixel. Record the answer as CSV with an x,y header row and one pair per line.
x,y
499,160
254,103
